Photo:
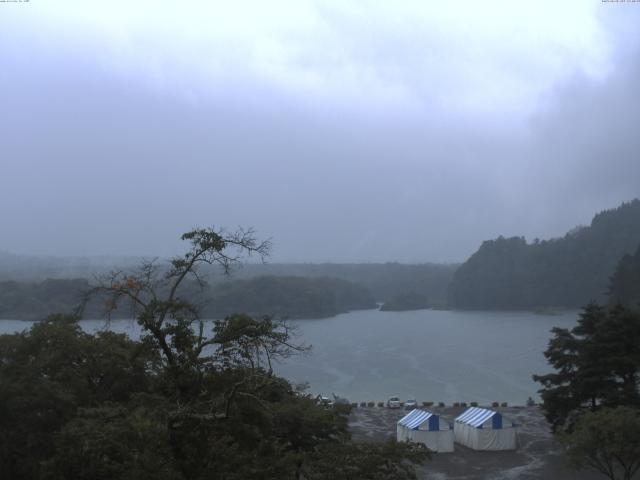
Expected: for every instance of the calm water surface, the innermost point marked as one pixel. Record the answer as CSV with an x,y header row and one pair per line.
x,y
431,355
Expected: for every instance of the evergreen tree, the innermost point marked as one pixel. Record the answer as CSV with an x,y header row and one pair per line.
x,y
597,364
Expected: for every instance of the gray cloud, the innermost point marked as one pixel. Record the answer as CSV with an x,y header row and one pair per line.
x,y
95,160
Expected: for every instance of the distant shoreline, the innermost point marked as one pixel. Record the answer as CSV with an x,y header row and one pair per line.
x,y
544,311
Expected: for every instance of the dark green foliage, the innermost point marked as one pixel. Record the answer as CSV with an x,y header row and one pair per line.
x,y
60,416
113,441
509,273
625,282
406,301
181,403
592,400
607,441
50,371
597,364
382,461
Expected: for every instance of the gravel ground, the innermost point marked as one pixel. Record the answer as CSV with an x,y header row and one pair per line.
x,y
537,456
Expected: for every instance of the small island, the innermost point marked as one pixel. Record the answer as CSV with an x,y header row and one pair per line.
x,y
406,301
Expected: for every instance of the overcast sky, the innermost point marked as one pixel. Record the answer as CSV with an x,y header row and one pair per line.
x,y
346,131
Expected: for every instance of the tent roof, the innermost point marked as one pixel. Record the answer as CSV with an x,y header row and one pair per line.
x,y
415,418
475,416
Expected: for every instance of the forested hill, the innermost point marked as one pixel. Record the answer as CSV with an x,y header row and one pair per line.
x,y
624,288
563,272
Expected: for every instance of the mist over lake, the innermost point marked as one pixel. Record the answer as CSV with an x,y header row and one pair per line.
x,y
431,355
277,202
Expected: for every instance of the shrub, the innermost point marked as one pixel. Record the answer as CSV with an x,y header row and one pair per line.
x,y
380,404
427,404
504,404
354,404
363,404
474,404
456,404
463,404
441,404
495,404
371,404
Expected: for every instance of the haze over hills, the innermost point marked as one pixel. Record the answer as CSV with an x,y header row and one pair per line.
x,y
384,280
30,288
505,273
149,147
38,268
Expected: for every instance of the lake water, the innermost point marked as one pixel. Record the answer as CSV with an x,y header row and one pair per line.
x,y
447,356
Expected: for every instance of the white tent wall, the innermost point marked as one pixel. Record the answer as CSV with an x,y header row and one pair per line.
x,y
402,433
440,441
485,438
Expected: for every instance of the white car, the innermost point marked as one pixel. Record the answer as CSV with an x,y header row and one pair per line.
x,y
324,401
394,402
410,404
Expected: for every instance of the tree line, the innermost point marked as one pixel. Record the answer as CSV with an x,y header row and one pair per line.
x,y
509,273
382,280
293,297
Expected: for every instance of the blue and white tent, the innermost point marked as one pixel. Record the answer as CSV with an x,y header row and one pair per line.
x,y
422,426
483,429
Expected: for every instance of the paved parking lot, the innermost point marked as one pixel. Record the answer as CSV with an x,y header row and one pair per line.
x,y
537,457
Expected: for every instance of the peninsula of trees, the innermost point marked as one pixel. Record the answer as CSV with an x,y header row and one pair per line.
x,y
294,297
406,301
